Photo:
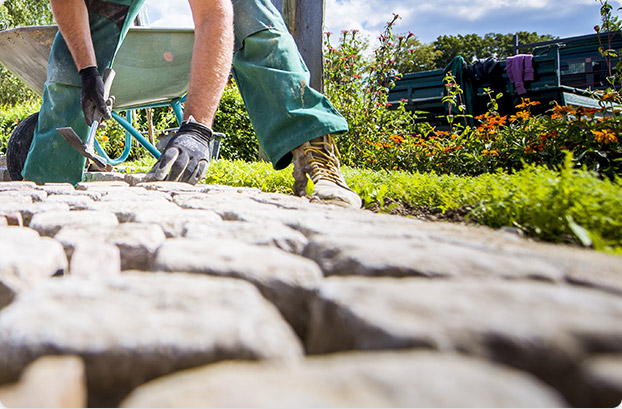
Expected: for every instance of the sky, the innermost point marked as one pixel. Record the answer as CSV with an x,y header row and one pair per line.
x,y
429,19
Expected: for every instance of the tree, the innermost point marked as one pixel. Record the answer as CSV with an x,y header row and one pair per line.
x,y
16,13
413,55
472,47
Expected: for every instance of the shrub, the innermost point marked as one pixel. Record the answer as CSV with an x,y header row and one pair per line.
x,y
358,87
232,119
11,116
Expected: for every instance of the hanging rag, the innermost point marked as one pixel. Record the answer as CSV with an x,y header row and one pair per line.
x,y
520,70
462,73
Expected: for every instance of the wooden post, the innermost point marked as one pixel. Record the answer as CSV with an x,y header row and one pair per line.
x,y
305,20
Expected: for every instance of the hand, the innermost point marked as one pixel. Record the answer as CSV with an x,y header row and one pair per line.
x,y
186,155
93,96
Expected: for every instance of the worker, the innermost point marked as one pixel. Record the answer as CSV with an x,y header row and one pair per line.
x,y
292,121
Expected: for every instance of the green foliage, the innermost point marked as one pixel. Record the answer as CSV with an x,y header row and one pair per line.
x,y
509,142
260,175
472,46
609,21
412,55
16,13
112,135
11,116
358,87
232,119
12,89
610,26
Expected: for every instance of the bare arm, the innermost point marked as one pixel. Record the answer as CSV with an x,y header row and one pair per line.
x,y
211,58
73,21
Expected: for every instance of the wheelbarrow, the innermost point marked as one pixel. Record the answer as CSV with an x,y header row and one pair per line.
x,y
152,70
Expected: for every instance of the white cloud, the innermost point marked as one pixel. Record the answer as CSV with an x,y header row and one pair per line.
x,y
432,18
169,13
429,19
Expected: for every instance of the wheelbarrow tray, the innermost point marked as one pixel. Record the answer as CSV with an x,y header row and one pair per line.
x,y
152,65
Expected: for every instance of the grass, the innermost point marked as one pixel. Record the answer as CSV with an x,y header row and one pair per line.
x,y
565,205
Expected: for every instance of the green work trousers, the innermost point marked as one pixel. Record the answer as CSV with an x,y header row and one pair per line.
x,y
270,73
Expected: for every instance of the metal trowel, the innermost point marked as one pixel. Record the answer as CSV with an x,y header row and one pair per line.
x,y
87,149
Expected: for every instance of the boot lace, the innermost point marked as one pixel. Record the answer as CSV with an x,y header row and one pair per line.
x,y
323,158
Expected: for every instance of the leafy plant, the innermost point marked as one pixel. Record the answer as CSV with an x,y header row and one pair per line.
x,y
15,13
232,119
358,87
609,27
11,116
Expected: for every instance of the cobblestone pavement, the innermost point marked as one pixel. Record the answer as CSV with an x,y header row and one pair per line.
x,y
163,294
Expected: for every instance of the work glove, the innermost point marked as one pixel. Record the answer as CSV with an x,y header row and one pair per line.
x,y
186,156
92,98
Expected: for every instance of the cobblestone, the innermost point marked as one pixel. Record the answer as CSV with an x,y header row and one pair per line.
x,y
318,305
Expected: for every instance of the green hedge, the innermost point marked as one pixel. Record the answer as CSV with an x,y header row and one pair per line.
x,y
11,116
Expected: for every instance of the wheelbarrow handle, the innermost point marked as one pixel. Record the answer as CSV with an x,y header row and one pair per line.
x,y
109,75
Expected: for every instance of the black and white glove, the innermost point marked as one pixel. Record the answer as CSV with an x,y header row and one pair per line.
x,y
186,156
93,96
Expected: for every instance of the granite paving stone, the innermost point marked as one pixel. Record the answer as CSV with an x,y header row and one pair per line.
x,y
286,279
49,382
102,186
543,328
57,188
75,202
127,210
152,325
17,186
258,233
49,223
95,258
174,220
135,194
137,242
325,306
370,256
25,260
10,200
29,210
382,380
603,373
35,195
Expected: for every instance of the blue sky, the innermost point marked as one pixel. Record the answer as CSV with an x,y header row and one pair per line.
x,y
429,19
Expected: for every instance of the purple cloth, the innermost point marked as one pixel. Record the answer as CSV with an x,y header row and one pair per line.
x,y
520,69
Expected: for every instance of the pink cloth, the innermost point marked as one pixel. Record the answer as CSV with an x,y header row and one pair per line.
x,y
520,69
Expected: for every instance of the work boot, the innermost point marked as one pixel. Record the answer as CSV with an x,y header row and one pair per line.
x,y
318,159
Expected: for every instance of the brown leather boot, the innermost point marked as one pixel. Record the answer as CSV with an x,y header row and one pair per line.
x,y
318,159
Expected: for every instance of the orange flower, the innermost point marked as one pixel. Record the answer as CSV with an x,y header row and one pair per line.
x,y
526,103
498,120
559,111
397,138
522,115
610,96
605,136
